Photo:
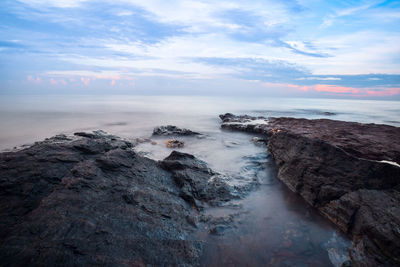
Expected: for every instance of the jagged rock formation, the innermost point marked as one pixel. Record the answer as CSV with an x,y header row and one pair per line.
x,y
89,199
173,130
197,182
349,171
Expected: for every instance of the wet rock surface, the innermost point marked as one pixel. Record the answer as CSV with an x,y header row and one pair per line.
x,y
348,171
173,130
89,199
197,182
174,143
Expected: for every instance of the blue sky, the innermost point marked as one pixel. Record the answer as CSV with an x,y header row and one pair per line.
x,y
280,48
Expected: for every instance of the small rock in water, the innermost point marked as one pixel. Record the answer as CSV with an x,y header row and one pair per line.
x,y
172,130
230,143
173,143
153,143
141,140
259,141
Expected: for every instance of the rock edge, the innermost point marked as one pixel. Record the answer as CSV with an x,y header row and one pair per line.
x,y
348,171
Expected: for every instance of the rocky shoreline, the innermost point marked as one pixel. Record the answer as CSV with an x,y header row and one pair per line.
x,y
349,171
90,199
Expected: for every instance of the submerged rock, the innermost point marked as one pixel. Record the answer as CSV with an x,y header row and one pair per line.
x,y
172,130
141,140
89,199
230,143
348,171
259,141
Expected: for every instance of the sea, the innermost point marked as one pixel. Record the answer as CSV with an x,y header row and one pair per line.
x,y
267,226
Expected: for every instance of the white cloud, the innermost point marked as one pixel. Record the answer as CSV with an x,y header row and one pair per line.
x,y
124,13
361,52
357,53
319,79
329,20
54,3
200,16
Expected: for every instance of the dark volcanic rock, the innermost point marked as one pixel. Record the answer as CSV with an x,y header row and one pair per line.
x,y
172,130
91,200
197,182
348,171
243,123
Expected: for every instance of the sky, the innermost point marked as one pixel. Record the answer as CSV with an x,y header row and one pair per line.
x,y
304,48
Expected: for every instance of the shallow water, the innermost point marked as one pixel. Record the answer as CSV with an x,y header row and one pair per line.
x,y
271,225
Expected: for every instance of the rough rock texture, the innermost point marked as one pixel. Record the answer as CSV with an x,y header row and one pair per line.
x,y
197,182
89,199
172,130
337,167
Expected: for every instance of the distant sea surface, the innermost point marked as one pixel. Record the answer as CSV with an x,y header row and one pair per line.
x,y
26,119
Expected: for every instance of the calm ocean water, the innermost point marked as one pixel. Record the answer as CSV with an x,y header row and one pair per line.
x,y
25,119
270,226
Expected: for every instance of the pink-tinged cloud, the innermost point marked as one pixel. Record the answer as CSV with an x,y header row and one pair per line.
x,y
360,92
36,79
53,82
333,90
87,77
387,92
85,81
56,82
302,88
283,86
113,78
